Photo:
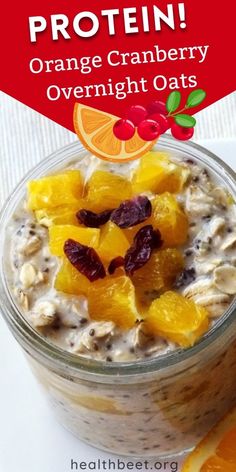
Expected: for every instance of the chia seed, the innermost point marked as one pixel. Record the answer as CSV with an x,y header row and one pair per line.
x,y
188,252
186,277
92,332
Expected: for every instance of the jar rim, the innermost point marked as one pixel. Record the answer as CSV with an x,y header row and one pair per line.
x,y
30,338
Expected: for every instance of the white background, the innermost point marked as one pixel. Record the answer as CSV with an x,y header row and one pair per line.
x,y
30,439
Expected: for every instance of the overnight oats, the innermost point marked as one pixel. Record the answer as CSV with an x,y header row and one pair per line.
x,y
119,284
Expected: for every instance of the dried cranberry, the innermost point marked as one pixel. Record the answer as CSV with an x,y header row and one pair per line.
x,y
132,212
140,252
93,220
115,263
85,260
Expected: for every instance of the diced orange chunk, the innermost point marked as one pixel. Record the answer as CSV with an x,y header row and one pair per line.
x,y
157,174
216,464
180,320
70,280
59,234
55,190
61,215
169,218
158,274
113,299
106,190
226,449
113,242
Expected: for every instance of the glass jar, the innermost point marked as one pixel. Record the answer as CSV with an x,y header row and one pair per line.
x,y
155,407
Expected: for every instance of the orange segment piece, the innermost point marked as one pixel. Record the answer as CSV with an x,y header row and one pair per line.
x,y
227,446
107,190
58,235
158,274
217,451
157,174
113,299
113,242
173,317
55,190
215,464
70,280
59,215
94,128
169,218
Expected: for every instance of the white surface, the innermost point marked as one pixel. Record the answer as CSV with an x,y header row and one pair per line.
x,y
30,438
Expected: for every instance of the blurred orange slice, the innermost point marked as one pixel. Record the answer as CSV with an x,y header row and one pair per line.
x,y
95,131
217,452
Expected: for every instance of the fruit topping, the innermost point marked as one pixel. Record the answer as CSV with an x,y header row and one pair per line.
x,y
136,114
113,299
178,319
158,274
61,215
132,212
140,252
85,260
106,190
157,174
181,133
115,264
124,129
148,130
216,452
113,242
170,219
93,220
58,234
55,190
70,280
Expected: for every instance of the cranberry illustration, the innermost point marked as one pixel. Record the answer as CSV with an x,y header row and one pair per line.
x,y
124,129
181,133
136,114
149,130
157,107
162,120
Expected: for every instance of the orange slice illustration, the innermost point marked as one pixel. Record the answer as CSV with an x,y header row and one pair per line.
x,y
94,128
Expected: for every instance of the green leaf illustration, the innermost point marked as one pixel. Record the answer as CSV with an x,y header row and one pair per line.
x,y
185,120
195,98
173,101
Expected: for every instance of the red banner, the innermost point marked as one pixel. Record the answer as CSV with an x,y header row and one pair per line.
x,y
110,55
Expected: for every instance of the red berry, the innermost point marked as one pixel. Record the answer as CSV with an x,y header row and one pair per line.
x,y
162,120
124,130
181,133
149,130
157,107
136,114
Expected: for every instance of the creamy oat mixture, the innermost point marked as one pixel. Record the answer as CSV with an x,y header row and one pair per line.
x,y
209,277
